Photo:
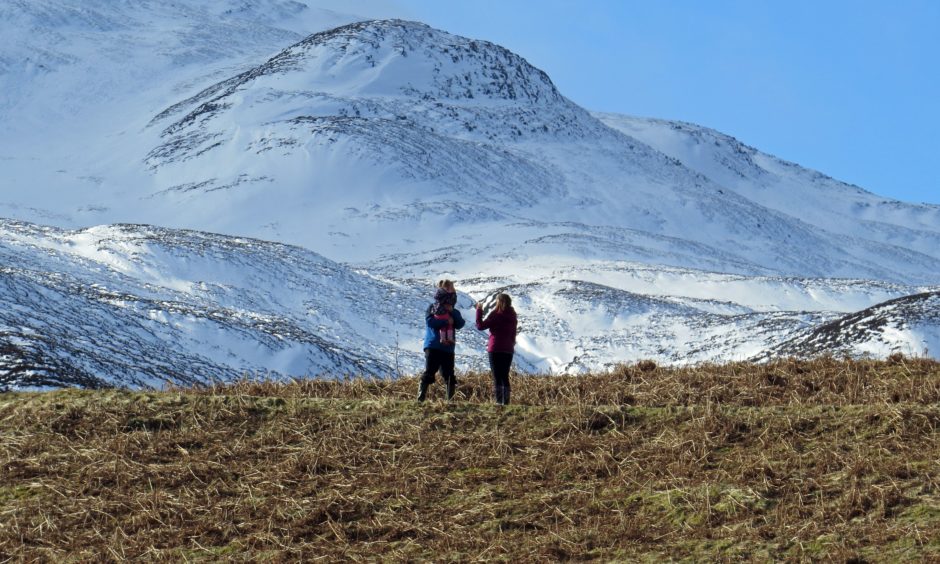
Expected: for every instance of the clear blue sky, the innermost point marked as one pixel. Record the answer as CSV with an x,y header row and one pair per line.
x,y
849,88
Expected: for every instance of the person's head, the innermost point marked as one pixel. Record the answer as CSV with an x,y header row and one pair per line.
x,y
445,297
503,302
446,285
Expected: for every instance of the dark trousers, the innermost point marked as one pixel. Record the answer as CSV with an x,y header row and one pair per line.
x,y
500,362
434,360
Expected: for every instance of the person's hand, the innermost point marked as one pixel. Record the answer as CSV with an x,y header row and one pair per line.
x,y
478,305
450,321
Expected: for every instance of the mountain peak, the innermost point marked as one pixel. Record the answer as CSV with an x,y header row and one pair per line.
x,y
392,59
399,57
383,73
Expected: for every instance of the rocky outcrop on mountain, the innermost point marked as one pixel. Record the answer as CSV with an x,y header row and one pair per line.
x,y
909,325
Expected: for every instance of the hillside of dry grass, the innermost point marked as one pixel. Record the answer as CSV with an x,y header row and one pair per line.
x,y
793,460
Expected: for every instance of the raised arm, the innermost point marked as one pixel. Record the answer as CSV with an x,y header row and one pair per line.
x,y
481,324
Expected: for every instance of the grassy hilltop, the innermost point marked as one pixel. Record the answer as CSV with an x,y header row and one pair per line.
x,y
793,460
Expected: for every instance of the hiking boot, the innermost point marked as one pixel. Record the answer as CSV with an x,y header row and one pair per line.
x,y
451,389
422,391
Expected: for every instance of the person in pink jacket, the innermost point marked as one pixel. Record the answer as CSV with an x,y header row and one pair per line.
x,y
502,324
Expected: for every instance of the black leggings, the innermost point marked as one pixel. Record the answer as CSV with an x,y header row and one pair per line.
x,y
500,362
436,359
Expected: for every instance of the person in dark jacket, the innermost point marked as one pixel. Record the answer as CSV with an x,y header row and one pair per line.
x,y
438,355
502,323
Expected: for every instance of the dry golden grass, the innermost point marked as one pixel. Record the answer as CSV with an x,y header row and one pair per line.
x,y
794,460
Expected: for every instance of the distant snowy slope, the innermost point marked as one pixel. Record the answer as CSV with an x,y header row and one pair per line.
x,y
140,305
80,79
136,305
909,325
64,57
815,198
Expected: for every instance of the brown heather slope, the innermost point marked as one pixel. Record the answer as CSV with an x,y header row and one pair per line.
x,y
793,460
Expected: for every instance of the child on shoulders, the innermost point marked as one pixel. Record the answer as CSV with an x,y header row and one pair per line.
x,y
445,298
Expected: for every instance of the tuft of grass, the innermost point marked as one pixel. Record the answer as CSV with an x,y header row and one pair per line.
x,y
796,460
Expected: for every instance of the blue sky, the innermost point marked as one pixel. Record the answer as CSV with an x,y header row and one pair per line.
x,y
849,88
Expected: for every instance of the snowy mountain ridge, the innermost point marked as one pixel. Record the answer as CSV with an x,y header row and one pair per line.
x,y
146,306
908,325
385,154
779,184
474,145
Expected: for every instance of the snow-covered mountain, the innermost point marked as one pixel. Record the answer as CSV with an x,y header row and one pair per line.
x,y
399,154
142,305
817,199
147,306
391,126
80,78
908,325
